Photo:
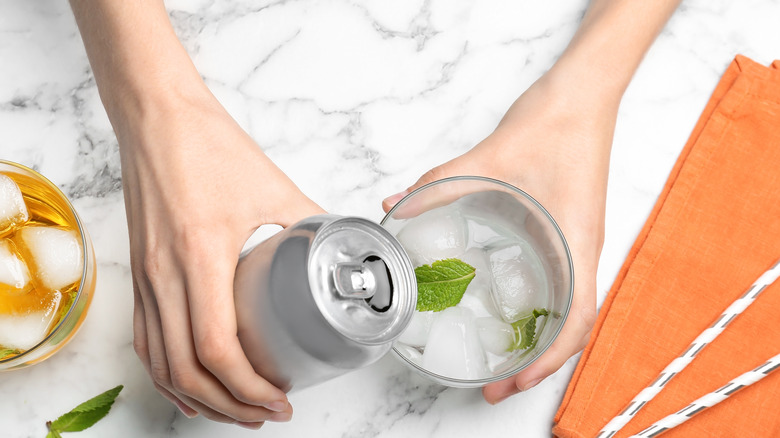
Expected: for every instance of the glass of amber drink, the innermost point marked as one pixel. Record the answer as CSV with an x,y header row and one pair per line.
x,y
47,268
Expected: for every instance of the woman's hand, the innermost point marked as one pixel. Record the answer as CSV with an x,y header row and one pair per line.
x,y
196,186
556,148
554,143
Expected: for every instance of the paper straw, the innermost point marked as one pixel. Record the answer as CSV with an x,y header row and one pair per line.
x,y
710,399
678,364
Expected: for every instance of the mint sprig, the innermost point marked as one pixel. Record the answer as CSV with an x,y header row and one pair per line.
x,y
8,352
84,415
65,307
525,330
442,284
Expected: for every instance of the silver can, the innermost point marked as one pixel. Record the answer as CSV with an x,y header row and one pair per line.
x,y
323,297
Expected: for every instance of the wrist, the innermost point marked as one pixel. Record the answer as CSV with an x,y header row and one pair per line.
x,y
144,95
135,55
566,96
141,83
608,47
585,83
148,90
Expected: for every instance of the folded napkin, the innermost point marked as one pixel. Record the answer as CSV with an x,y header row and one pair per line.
x,y
713,231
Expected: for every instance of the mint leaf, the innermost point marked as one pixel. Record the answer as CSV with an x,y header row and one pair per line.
x,y
75,421
525,330
442,284
84,415
8,352
65,307
105,399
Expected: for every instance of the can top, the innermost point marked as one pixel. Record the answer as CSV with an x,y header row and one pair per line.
x,y
362,280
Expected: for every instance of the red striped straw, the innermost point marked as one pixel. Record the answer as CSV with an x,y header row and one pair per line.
x,y
710,400
678,364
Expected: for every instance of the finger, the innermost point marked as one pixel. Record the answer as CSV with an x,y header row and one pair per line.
x,y
185,377
208,412
389,202
159,367
252,426
147,328
141,347
215,333
571,340
451,168
435,174
468,164
443,192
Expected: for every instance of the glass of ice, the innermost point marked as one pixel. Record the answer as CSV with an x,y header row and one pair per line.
x,y
47,268
523,270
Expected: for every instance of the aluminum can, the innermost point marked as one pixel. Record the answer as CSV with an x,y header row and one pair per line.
x,y
323,297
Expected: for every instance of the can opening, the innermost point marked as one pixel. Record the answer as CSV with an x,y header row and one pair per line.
x,y
354,281
383,294
362,281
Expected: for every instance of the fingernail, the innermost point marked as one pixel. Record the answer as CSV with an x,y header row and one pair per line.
x,y
500,399
189,413
247,425
186,410
276,406
281,417
392,200
531,384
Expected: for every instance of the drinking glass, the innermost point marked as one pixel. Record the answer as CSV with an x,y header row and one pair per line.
x,y
47,205
518,217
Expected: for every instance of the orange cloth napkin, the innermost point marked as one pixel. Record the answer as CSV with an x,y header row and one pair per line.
x,y
714,229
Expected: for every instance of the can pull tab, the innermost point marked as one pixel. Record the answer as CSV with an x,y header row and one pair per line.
x,y
354,281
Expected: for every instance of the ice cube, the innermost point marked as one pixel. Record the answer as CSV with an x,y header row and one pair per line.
x,y
416,333
480,235
475,305
27,330
453,348
519,283
480,287
13,211
14,276
496,336
434,235
56,255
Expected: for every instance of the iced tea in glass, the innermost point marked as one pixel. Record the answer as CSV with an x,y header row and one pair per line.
x,y
47,268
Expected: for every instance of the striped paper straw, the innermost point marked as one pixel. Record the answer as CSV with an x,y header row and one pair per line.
x,y
710,399
678,364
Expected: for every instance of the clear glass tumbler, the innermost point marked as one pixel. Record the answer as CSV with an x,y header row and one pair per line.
x,y
51,216
501,231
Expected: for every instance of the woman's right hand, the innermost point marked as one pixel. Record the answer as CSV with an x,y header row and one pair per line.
x,y
555,146
196,186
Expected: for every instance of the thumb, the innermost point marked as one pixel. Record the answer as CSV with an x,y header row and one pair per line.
x,y
435,174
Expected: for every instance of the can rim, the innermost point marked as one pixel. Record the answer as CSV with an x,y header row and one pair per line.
x,y
398,320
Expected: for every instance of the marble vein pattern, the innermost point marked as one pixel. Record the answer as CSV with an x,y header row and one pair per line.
x,y
354,100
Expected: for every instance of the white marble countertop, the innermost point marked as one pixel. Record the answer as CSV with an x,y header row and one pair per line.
x,y
366,96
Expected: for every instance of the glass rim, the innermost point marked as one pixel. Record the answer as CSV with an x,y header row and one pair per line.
x,y
541,349
84,250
